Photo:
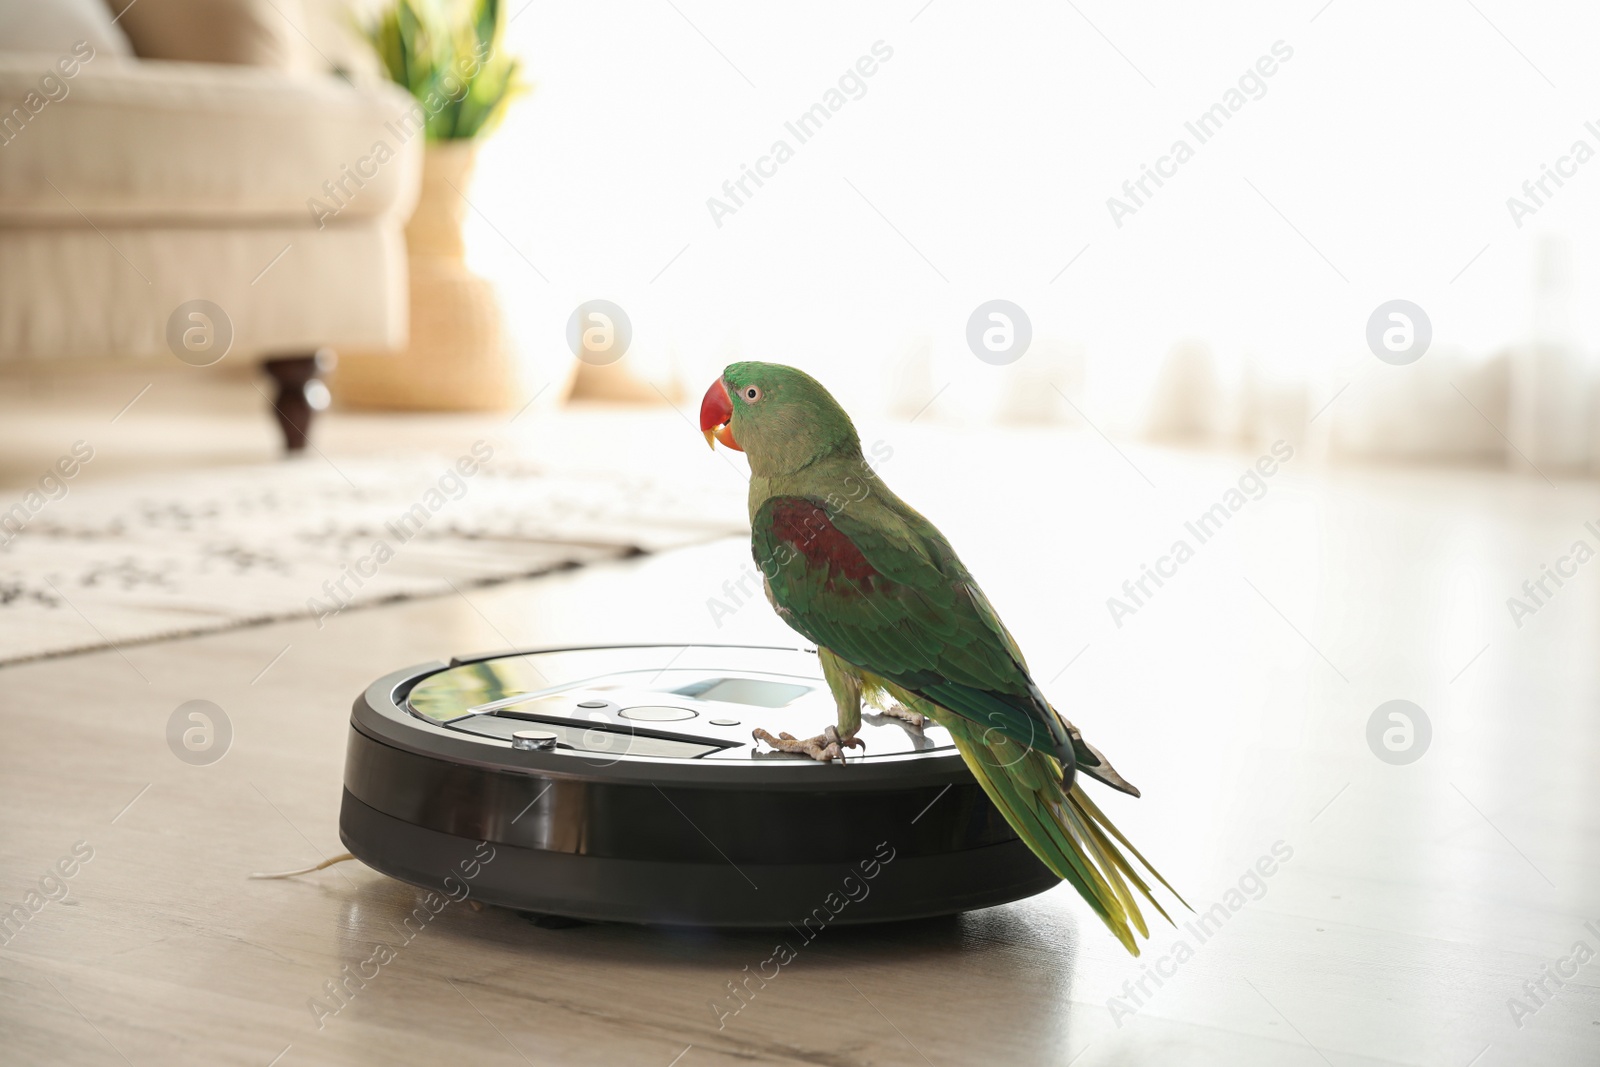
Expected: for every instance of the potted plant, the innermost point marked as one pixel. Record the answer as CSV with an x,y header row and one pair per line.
x,y
449,55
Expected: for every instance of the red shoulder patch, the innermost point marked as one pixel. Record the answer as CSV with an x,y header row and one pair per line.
x,y
808,529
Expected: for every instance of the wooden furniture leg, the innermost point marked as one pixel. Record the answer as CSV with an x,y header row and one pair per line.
x,y
301,393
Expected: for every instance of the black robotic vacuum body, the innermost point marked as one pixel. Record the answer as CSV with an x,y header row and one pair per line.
x,y
621,783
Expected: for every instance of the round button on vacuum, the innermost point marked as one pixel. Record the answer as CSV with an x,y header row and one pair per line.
x,y
724,722
656,713
534,739
591,703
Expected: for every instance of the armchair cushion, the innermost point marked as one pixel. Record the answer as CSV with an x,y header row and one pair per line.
x,y
255,33
54,26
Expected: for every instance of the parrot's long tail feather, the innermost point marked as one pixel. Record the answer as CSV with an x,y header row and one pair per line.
x,y
1082,797
1066,830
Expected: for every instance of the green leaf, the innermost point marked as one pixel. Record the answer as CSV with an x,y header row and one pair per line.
x,y
450,56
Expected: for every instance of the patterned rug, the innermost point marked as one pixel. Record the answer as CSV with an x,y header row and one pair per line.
x,y
122,563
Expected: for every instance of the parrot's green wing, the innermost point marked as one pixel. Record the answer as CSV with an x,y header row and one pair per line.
x,y
882,590
886,598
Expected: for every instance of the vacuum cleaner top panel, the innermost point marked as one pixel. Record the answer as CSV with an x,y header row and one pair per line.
x,y
647,703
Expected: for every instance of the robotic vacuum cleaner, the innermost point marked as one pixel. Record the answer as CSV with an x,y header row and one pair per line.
x,y
622,784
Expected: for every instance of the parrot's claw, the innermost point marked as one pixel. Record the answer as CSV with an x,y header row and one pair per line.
x,y
826,746
914,719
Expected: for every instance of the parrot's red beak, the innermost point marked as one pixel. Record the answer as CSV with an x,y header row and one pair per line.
x,y
716,411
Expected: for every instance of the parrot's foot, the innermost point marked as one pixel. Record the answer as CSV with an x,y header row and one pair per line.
x,y
913,719
826,746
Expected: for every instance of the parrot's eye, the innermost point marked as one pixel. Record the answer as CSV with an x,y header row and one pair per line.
x,y
752,393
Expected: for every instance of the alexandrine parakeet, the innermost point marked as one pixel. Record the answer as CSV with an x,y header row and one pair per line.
x,y
900,623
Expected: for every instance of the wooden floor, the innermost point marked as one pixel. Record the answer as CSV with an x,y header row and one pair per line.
x,y
1406,908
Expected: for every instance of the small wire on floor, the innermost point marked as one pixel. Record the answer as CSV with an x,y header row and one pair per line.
x,y
340,858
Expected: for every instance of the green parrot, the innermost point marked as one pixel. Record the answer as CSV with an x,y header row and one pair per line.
x,y
900,624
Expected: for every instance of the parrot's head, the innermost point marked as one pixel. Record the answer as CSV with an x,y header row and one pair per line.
x,y
780,417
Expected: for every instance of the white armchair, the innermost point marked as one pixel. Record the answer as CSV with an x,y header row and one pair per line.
x,y
137,186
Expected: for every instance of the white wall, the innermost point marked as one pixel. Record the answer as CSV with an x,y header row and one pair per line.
x,y
1391,140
